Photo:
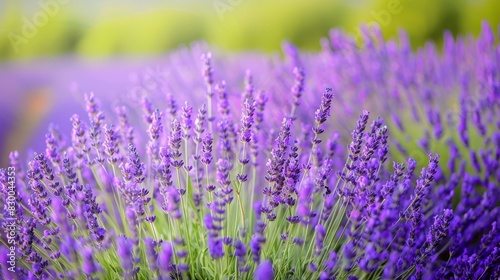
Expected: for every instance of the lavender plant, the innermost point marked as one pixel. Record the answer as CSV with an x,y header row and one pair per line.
x,y
220,189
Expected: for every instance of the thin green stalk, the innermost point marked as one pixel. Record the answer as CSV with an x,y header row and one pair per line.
x,y
184,211
209,109
239,187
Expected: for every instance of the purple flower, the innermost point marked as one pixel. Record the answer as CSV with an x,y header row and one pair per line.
x,y
126,131
165,258
172,202
357,136
437,232
207,71
94,195
95,115
187,123
329,267
255,246
223,169
278,158
125,254
111,144
151,253
215,247
90,266
324,110
320,237
225,148
156,127
247,120
297,89
199,124
249,87
240,251
264,271
223,104
207,149
174,143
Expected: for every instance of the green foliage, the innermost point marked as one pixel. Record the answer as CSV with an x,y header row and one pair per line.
x,y
147,33
243,25
265,25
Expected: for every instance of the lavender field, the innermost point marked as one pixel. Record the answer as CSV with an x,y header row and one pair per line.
x,y
358,161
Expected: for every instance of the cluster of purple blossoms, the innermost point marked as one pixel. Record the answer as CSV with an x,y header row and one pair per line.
x,y
275,176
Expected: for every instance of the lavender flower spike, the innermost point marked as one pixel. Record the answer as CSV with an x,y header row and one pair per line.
x,y
107,198
264,271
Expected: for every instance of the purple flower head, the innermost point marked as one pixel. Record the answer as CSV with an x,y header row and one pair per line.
x,y
126,131
293,219
151,253
172,106
207,149
438,231
291,52
257,208
147,108
53,141
199,124
174,143
95,115
171,203
165,258
332,261
223,104
215,247
320,237
357,136
156,126
90,266
111,143
313,267
323,112
249,87
187,123
278,158
207,71
223,169
305,199
79,139
349,250
264,271
247,120
164,171
297,89
240,251
136,167
225,145
208,221
298,241
255,246
125,254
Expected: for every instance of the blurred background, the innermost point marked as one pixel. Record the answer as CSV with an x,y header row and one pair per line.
x,y
48,45
111,27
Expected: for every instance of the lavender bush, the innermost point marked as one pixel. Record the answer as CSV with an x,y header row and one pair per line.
x,y
261,181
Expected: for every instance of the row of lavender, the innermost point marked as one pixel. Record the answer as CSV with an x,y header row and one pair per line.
x,y
203,191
